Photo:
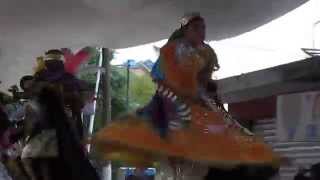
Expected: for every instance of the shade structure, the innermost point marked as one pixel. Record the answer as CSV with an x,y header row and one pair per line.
x,y
28,28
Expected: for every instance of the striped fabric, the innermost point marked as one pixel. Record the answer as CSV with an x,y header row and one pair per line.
x,y
182,110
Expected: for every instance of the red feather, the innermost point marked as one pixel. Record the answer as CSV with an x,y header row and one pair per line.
x,y
73,62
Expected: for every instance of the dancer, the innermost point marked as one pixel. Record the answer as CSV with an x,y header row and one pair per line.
x,y
53,148
184,121
51,69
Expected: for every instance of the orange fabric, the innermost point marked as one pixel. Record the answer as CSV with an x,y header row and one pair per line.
x,y
230,147
224,145
134,141
180,77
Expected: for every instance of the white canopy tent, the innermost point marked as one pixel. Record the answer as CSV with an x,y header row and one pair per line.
x,y
28,28
274,43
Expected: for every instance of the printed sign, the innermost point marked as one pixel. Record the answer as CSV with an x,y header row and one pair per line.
x,y
298,117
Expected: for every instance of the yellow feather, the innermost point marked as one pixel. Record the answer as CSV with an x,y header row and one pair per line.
x,y
40,64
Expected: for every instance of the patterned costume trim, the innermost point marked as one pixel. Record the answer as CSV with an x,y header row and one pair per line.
x,y
228,119
182,109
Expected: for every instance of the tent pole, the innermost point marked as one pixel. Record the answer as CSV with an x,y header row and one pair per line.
x,y
107,55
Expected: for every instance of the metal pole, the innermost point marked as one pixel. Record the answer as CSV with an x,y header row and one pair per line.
x,y
106,54
314,33
92,117
107,84
128,84
316,5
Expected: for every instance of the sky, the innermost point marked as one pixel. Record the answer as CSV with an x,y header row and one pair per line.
x,y
275,43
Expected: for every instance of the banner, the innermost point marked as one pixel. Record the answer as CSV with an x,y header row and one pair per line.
x,y
298,117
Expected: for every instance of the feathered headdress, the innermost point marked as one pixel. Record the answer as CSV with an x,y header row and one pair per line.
x,y
185,20
73,61
54,54
189,17
40,64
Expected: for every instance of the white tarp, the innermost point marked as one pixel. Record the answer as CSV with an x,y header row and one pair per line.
x,y
275,43
28,28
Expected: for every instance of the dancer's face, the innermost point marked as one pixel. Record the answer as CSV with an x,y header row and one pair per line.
x,y
195,32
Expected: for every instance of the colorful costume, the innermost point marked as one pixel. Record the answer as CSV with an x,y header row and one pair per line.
x,y
9,150
54,70
54,141
189,123
184,120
